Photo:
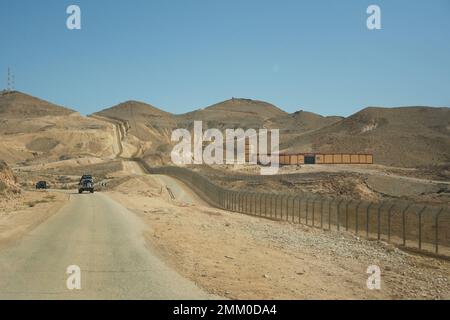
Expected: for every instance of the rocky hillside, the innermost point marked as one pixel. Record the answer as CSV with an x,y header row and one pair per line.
x,y
34,130
8,181
233,113
15,104
148,128
404,137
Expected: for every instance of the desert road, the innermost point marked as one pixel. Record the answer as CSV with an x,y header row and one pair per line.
x,y
105,240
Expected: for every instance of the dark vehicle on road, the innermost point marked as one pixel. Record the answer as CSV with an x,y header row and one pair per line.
x,y
86,184
86,176
41,185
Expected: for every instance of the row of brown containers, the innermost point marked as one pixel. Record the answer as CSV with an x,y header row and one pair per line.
x,y
323,158
319,158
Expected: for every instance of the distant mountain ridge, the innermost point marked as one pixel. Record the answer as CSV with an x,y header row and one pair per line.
x,y
403,136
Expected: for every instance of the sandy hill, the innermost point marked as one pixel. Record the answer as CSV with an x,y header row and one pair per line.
x,y
134,109
17,104
32,129
149,128
234,113
260,109
406,137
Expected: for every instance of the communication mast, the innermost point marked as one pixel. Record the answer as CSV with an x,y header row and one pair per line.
x,y
10,81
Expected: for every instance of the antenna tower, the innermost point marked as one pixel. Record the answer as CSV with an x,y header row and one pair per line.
x,y
10,84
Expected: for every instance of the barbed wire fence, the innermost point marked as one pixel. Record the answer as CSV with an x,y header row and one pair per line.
x,y
403,223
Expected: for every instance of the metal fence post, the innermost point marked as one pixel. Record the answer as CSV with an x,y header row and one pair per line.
x,y
346,214
281,207
280,198
241,202
420,227
238,202
321,213
252,203
260,204
299,200
300,209
338,214
404,224
307,210
357,218
265,205
389,222
225,201
271,206
293,207
367,219
287,208
276,206
379,221
232,201
436,231
329,214
313,210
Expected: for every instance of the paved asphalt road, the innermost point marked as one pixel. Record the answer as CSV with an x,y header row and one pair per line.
x,y
105,240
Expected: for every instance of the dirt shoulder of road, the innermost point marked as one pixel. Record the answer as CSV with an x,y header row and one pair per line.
x,y
21,214
242,257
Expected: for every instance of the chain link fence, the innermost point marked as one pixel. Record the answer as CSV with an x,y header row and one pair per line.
x,y
425,228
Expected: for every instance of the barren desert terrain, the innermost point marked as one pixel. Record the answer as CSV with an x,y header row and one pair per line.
x,y
164,225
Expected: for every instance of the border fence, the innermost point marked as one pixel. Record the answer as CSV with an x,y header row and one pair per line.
x,y
406,224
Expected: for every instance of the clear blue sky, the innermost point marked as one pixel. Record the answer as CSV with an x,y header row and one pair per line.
x,y
186,54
